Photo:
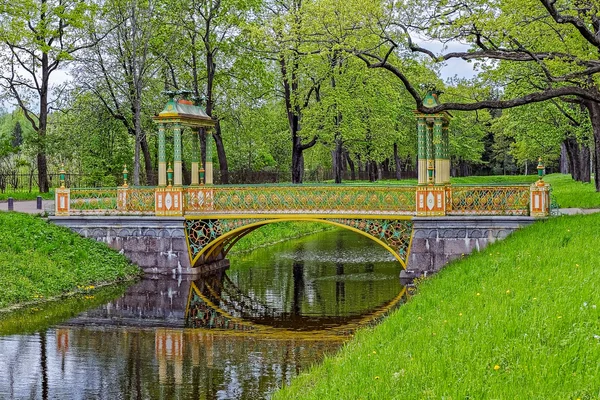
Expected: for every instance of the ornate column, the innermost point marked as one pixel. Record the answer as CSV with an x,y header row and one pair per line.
x,y
438,150
195,157
162,157
177,168
209,163
430,154
445,154
422,154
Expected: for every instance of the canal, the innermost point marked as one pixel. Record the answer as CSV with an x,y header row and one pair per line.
x,y
238,334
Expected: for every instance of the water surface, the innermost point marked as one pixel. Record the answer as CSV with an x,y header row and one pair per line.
x,y
238,334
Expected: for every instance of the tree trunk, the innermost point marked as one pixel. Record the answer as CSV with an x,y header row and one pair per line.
x,y
150,176
338,161
594,110
297,161
564,159
351,165
223,166
397,163
42,162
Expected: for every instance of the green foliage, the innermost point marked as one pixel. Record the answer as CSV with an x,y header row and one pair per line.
x,y
519,320
41,260
276,232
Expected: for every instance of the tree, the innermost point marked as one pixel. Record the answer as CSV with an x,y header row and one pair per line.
x,y
38,38
553,45
279,36
120,70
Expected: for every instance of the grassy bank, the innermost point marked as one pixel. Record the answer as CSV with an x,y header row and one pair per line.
x,y
276,232
40,260
520,320
23,195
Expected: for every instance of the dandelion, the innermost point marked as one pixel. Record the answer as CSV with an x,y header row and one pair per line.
x,y
478,294
460,314
496,367
560,316
508,292
577,265
374,352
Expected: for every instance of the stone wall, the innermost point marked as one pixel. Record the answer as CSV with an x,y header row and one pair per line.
x,y
437,241
157,245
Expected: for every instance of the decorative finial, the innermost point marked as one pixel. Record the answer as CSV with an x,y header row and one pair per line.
x,y
541,172
125,173
170,175
62,176
201,171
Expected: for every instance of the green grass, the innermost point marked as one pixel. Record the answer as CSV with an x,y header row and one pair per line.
x,y
26,195
40,260
520,320
572,194
276,232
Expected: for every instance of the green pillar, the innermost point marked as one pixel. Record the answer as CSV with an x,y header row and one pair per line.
x,y
438,150
430,154
195,157
421,150
162,157
209,163
446,151
177,155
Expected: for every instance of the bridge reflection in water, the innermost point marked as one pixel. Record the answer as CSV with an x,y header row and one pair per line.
x,y
238,334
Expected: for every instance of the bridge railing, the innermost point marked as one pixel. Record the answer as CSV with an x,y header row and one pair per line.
x,y
312,199
489,200
452,200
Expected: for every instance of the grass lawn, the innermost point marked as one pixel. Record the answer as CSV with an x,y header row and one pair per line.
x,y
520,320
23,195
40,260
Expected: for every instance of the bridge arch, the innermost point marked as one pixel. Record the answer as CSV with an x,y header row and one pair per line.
x,y
211,239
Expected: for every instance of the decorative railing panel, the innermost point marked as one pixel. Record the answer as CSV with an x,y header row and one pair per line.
x,y
314,199
141,200
93,201
489,200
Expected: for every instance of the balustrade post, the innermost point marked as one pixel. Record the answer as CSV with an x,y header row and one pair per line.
x,y
539,205
122,192
62,196
169,199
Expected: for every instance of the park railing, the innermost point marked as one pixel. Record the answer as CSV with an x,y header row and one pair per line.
x,y
448,200
489,200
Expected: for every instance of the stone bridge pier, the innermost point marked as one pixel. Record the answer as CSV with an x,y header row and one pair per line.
x,y
438,240
156,244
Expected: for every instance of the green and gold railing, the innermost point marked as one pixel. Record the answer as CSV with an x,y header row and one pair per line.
x,y
448,200
489,200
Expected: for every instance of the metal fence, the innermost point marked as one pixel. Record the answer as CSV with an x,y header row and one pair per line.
x,y
28,182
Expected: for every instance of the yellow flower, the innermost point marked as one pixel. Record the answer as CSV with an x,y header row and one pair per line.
x,y
478,294
374,352
508,291
460,314
376,377
496,367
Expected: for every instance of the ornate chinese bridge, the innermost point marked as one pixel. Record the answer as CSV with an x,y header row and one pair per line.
x,y
202,222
